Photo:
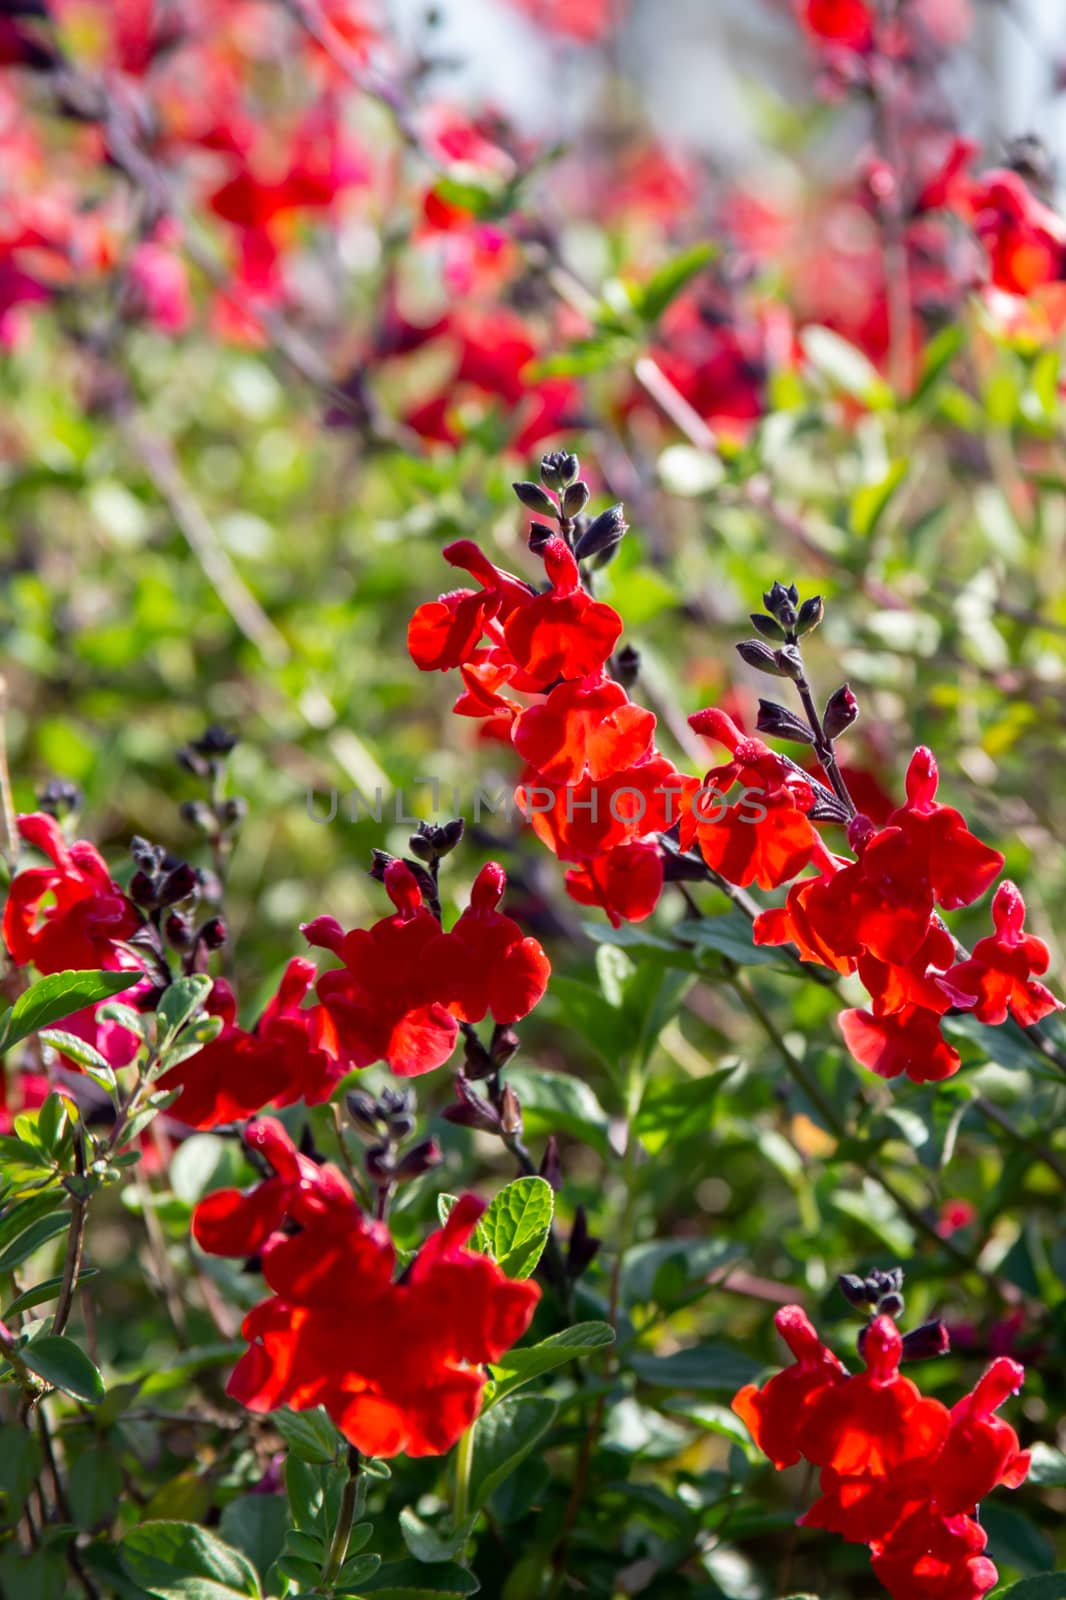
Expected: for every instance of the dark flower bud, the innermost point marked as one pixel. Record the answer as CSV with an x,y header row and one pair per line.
x,y
534,499
179,884
625,666
510,1113
890,1305
188,758
856,1290
470,1110
767,626
233,811
420,1159
890,1282
758,655
479,1063
781,603
810,615
922,1344
505,1044
198,814
575,499
582,1247
451,833
179,930
559,469
380,1163
363,1113
603,535
781,723
380,860
420,844
841,710
58,797
431,842
142,889
213,934
539,536
1030,158
789,662
149,857
216,741
551,1169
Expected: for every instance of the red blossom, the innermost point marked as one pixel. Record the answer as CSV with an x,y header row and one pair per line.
x,y
86,919
625,881
587,726
1025,240
486,963
982,1450
564,633
847,24
777,1415
398,1365
998,977
907,1041
932,1557
290,1055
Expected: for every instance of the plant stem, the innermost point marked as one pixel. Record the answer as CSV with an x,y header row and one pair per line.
x,y
464,1463
346,1514
75,1238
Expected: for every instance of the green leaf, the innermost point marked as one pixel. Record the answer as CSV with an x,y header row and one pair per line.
x,y
64,1364
504,1436
411,1580
519,1367
715,1368
20,1462
870,503
516,1225
844,367
426,1543
1014,1541
182,1561
32,1238
180,1003
651,299
255,1525
1047,1468
730,935
41,1293
58,996
312,1436
94,1485
92,1063
1047,1586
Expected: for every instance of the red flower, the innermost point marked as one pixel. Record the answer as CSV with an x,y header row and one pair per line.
x,y
588,726
396,1364
907,1041
88,919
845,23
626,881
942,854
999,974
290,1055
564,633
581,821
878,1422
982,1450
765,837
485,963
932,1557
385,1001
1024,239
777,1415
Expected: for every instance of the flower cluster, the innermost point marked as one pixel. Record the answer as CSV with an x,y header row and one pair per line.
x,y
899,1471
397,1363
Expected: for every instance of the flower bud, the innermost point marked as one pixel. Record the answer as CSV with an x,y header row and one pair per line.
x,y
781,603
233,811
363,1113
380,1163
505,1044
510,1113
142,889
479,1063
603,535
420,1159
470,1110
767,626
430,841
810,615
841,710
559,469
179,930
625,666
213,933
216,741
781,723
380,859
931,1339
534,499
179,884
582,1247
539,536
198,814
789,662
575,499
551,1169
149,857
758,655
58,797
856,1290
